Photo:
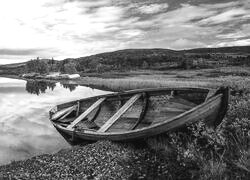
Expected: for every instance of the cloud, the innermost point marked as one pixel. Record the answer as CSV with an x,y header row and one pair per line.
x,y
194,25
242,42
73,28
229,15
153,8
20,51
13,89
234,35
186,44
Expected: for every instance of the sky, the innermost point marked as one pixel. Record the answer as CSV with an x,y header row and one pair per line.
x,y
76,28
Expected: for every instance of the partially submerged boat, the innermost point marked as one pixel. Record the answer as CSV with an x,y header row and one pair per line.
x,y
138,114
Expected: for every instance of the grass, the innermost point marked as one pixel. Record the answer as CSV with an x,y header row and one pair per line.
x,y
230,71
198,78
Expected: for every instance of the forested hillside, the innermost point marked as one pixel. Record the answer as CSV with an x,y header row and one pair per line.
x,y
244,50
135,59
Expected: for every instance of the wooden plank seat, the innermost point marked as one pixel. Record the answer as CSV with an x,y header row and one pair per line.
x,y
119,113
68,113
63,112
85,124
86,113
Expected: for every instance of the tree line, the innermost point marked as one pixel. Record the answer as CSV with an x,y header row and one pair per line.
x,y
132,59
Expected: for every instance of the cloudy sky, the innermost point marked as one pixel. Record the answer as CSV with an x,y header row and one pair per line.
x,y
75,28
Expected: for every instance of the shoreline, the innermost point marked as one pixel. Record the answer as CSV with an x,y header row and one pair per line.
x,y
139,80
100,160
132,80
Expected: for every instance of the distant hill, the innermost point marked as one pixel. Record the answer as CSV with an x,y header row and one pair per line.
x,y
18,65
232,49
20,68
133,59
139,52
128,58
137,58
14,65
128,54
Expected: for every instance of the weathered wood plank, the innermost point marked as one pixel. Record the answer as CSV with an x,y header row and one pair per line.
x,y
66,120
210,93
64,116
63,112
78,108
183,101
177,105
86,113
163,116
119,113
122,124
173,109
172,103
143,111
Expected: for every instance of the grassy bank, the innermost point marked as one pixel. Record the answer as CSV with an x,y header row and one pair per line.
x,y
202,153
237,78
212,78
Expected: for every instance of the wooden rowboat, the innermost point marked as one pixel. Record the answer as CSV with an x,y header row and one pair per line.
x,y
138,114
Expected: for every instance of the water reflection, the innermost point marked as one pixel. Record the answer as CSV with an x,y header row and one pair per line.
x,y
39,87
71,87
25,129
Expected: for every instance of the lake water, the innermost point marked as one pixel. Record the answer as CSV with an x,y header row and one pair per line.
x,y
25,129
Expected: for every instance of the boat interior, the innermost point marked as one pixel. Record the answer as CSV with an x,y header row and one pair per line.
x,y
126,112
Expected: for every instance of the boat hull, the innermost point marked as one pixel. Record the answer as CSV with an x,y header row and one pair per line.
x,y
210,112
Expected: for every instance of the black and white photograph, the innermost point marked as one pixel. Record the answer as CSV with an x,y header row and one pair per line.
x,y
125,89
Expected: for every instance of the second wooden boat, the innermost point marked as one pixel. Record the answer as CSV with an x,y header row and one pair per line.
x,y
138,114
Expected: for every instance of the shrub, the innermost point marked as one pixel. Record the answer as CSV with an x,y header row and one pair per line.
x,y
37,66
221,153
101,68
70,68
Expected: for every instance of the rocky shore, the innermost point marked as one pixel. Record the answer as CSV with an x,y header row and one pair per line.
x,y
101,160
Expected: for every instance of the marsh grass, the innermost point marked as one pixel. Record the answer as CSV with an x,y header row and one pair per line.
x,y
230,71
238,84
141,82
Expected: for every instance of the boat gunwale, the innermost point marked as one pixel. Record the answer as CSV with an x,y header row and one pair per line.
x,y
94,134
135,91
